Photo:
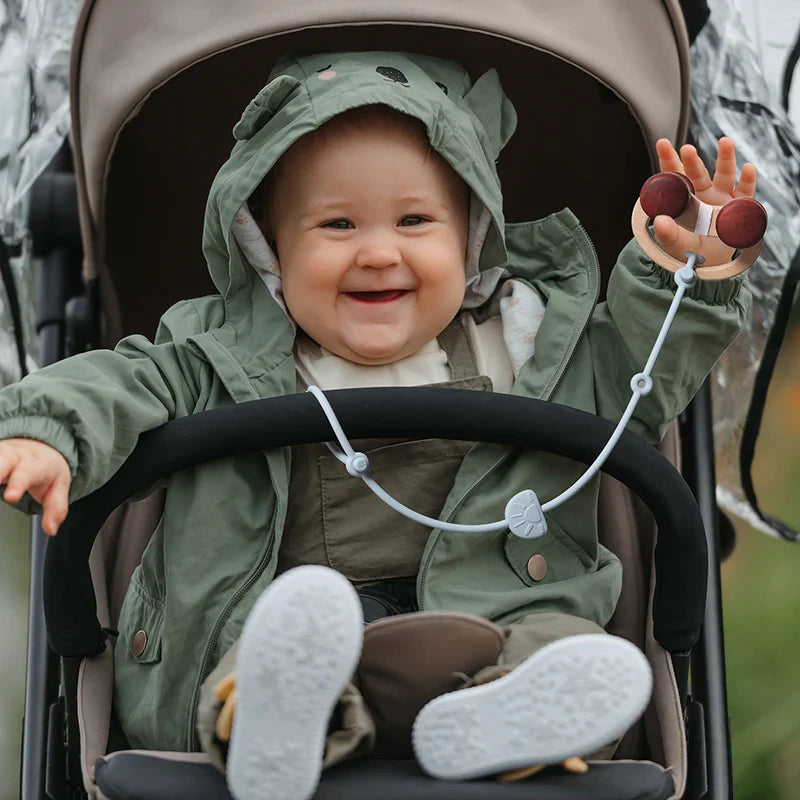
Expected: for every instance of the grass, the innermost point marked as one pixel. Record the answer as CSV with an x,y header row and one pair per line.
x,y
761,596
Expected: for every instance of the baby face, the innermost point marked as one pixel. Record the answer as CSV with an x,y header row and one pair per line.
x,y
371,230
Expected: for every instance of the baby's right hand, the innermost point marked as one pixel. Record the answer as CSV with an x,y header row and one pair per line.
x,y
27,465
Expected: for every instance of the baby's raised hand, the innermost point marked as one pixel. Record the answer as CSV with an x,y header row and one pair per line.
x,y
723,188
27,465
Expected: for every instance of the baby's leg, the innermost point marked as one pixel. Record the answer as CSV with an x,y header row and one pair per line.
x,y
561,688
298,650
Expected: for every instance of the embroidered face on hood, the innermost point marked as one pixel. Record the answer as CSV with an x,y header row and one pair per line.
x,y
466,124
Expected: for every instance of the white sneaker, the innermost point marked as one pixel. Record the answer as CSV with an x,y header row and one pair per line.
x,y
298,649
570,698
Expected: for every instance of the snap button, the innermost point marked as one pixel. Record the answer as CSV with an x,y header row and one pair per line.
x,y
138,643
537,567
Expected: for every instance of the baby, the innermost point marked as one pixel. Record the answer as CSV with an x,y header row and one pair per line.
x,y
356,238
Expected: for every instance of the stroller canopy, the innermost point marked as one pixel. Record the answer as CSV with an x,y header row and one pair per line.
x,y
156,88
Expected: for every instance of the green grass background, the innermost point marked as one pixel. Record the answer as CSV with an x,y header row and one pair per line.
x,y
761,596
761,586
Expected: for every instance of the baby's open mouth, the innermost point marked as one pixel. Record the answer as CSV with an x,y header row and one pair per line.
x,y
385,296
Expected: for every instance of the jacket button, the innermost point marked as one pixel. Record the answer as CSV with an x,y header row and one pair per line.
x,y
138,643
537,567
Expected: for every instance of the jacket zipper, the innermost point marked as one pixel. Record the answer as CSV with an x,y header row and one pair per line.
x,y
214,638
596,264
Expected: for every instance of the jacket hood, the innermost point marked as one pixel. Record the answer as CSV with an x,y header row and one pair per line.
x,y
467,124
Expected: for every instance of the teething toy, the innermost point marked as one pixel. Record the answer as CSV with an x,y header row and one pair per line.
x,y
740,224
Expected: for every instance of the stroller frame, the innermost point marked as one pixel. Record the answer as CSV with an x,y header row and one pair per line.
x,y
51,763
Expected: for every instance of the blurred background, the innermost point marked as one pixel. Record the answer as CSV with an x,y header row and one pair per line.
x,y
761,594
761,580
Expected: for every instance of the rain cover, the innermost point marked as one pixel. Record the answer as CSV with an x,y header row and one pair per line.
x,y
35,39
730,97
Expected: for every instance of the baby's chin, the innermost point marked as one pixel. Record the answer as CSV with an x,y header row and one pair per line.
x,y
376,349
373,356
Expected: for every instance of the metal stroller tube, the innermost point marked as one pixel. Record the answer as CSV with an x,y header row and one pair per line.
x,y
681,552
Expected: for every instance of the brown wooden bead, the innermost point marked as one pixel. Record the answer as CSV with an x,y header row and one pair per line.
x,y
686,180
741,223
666,193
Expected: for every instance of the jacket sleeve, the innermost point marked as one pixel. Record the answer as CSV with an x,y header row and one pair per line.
x,y
624,328
93,407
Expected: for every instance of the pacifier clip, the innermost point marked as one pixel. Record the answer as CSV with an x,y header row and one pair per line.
x,y
524,514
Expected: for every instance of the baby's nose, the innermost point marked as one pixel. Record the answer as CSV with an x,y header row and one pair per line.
x,y
378,255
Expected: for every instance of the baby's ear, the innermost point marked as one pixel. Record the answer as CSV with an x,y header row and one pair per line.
x,y
488,102
264,105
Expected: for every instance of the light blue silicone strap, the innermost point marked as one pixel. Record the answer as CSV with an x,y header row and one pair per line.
x,y
524,514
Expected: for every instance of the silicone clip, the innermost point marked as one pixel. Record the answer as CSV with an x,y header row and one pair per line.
x,y
357,464
524,515
686,276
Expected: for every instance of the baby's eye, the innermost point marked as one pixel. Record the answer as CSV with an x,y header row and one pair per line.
x,y
338,224
412,219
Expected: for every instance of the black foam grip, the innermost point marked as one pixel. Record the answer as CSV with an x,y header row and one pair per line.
x,y
681,553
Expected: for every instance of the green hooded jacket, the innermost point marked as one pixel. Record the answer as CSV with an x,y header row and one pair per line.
x,y
216,545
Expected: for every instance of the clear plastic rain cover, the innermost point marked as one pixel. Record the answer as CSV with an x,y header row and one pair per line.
x,y
730,97
35,39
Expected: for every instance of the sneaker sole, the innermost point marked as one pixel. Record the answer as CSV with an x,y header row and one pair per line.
x,y
298,649
570,698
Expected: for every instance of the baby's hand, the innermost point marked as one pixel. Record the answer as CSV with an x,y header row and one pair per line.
x,y
27,465
676,240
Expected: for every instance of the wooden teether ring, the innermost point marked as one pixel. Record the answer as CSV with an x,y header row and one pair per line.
x,y
743,225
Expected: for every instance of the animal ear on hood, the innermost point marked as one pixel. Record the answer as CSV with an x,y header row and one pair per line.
x,y
264,105
488,102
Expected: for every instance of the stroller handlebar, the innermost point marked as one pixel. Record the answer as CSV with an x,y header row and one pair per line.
x,y
680,555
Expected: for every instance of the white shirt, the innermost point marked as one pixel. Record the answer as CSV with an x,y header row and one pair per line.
x,y
319,367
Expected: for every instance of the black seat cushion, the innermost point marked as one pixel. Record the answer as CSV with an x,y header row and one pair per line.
x,y
133,776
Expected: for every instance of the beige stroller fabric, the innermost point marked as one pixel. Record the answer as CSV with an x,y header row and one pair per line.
x,y
157,87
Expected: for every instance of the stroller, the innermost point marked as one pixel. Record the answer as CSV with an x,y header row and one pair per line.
x,y
617,73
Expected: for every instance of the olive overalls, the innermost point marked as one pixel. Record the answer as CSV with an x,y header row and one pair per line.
x,y
334,520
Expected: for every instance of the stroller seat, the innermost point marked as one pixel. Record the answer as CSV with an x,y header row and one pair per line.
x,y
138,775
128,774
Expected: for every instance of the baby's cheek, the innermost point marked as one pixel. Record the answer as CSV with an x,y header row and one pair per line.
x,y
452,288
301,302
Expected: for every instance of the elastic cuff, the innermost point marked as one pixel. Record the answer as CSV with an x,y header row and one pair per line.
x,y
43,429
713,293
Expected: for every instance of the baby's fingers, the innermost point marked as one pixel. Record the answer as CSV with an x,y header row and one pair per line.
x,y
9,459
48,484
668,158
673,239
18,480
747,182
677,241
55,504
725,170
695,168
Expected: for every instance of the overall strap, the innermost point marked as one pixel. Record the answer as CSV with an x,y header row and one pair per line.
x,y
458,348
